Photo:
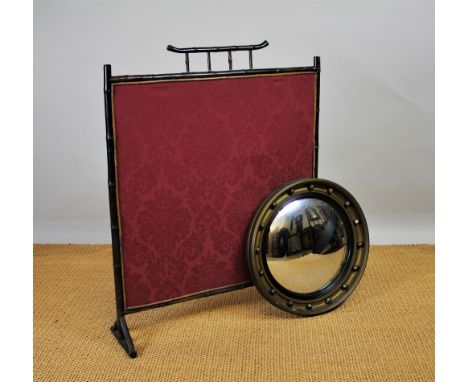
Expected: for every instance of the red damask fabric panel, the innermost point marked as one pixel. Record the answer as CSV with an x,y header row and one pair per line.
x,y
194,159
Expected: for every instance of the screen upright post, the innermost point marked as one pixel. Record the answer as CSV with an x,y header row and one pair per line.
x,y
120,328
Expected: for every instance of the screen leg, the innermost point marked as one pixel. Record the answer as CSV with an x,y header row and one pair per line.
x,y
121,333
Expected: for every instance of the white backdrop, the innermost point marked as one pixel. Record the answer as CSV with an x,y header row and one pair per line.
x,y
376,112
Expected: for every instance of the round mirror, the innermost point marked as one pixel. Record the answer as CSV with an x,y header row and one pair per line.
x,y
307,246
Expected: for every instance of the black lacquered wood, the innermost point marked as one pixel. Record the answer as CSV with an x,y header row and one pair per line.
x,y
225,48
208,58
230,60
317,65
213,74
111,179
209,49
119,329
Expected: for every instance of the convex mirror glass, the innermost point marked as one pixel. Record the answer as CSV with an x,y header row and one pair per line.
x,y
307,246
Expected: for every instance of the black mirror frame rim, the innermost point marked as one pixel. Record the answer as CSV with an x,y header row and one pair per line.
x,y
358,247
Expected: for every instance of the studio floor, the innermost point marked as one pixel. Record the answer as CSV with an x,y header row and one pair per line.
x,y
383,332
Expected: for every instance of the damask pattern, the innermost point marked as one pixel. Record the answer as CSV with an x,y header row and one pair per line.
x,y
194,159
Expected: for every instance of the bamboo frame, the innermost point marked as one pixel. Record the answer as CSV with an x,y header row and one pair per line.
x,y
120,329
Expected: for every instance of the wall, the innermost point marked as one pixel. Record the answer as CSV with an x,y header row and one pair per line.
x,y
377,97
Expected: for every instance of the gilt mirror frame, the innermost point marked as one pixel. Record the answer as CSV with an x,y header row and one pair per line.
x,y
356,248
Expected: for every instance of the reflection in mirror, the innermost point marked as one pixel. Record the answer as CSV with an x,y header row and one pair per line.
x,y
305,245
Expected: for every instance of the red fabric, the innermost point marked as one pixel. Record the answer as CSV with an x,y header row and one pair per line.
x,y
194,159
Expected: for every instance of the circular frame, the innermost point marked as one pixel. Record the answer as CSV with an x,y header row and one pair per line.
x,y
357,247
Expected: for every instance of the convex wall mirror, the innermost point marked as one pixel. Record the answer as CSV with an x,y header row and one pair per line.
x,y
307,246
